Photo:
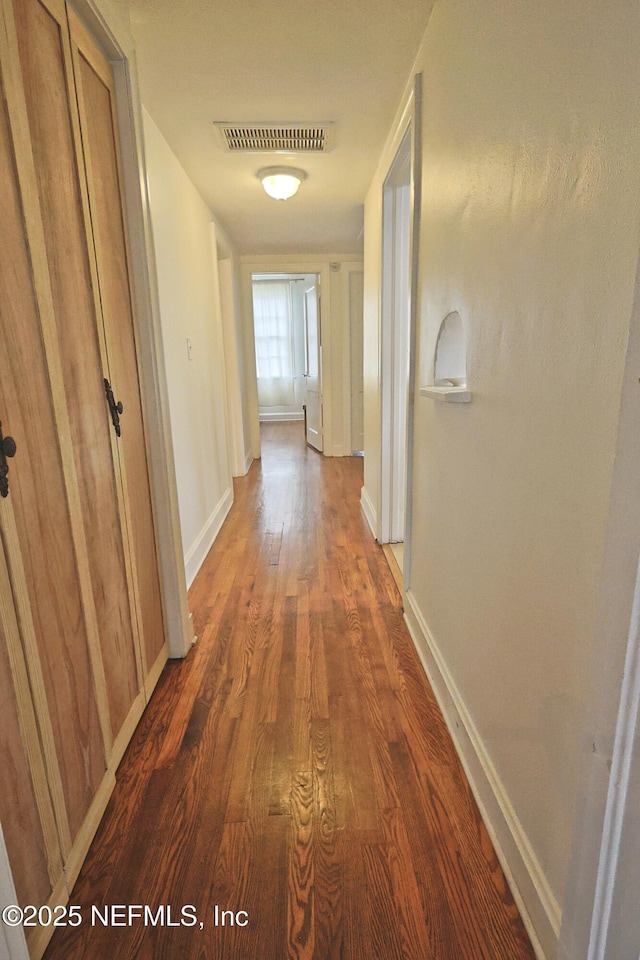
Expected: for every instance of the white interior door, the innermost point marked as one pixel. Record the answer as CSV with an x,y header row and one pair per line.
x,y
313,375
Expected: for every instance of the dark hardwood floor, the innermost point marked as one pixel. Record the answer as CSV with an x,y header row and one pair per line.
x,y
295,769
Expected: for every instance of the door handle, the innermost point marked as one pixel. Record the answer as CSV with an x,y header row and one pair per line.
x,y
115,409
7,449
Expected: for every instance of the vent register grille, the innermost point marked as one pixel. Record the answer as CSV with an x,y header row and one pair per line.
x,y
275,138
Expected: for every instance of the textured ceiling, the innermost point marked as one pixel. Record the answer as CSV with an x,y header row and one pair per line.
x,y
202,61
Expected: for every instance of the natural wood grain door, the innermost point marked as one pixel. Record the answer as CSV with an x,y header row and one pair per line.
x,y
26,812
46,64
79,584
41,534
96,101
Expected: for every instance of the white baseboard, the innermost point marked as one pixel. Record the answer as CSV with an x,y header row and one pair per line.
x,y
280,417
242,466
369,511
538,906
195,557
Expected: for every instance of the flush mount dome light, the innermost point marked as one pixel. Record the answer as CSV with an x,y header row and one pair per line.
x,y
281,182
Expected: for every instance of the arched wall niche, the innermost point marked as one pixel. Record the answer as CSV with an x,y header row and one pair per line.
x,y
449,367
450,359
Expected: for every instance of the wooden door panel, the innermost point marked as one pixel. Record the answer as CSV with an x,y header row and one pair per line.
x,y
39,500
95,97
18,809
42,55
26,811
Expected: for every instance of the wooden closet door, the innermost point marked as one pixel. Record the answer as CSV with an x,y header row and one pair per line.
x,y
26,813
41,540
45,59
96,101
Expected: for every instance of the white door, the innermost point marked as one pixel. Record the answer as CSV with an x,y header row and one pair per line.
x,y
313,374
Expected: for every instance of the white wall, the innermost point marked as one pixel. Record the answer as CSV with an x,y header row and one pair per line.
x,y
355,386
530,231
338,373
189,295
237,433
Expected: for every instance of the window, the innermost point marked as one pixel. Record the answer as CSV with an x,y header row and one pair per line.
x,y
274,341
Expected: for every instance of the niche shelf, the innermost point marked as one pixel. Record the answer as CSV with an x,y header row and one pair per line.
x,y
449,363
448,394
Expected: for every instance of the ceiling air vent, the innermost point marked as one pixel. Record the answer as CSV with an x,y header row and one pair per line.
x,y
275,137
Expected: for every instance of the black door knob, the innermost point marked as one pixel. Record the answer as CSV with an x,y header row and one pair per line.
x,y
7,449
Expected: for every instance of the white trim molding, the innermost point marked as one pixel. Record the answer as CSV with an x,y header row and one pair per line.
x,y
622,797
110,29
538,906
600,916
197,553
283,417
369,511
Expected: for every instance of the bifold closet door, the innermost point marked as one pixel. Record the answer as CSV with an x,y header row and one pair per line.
x,y
26,813
96,102
41,539
45,62
81,620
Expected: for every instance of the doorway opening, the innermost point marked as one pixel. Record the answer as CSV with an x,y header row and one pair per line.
x,y
288,349
395,348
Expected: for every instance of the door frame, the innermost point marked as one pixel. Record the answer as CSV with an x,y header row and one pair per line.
x,y
117,44
410,125
597,916
351,270
285,264
318,308
395,316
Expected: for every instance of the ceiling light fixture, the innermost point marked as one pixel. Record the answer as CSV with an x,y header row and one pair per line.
x,y
281,182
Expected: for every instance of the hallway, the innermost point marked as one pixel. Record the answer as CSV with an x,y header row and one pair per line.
x,y
296,765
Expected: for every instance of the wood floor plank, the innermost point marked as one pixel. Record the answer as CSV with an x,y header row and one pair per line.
x,y
318,665
386,939
295,766
410,907
300,871
327,847
268,916
441,929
